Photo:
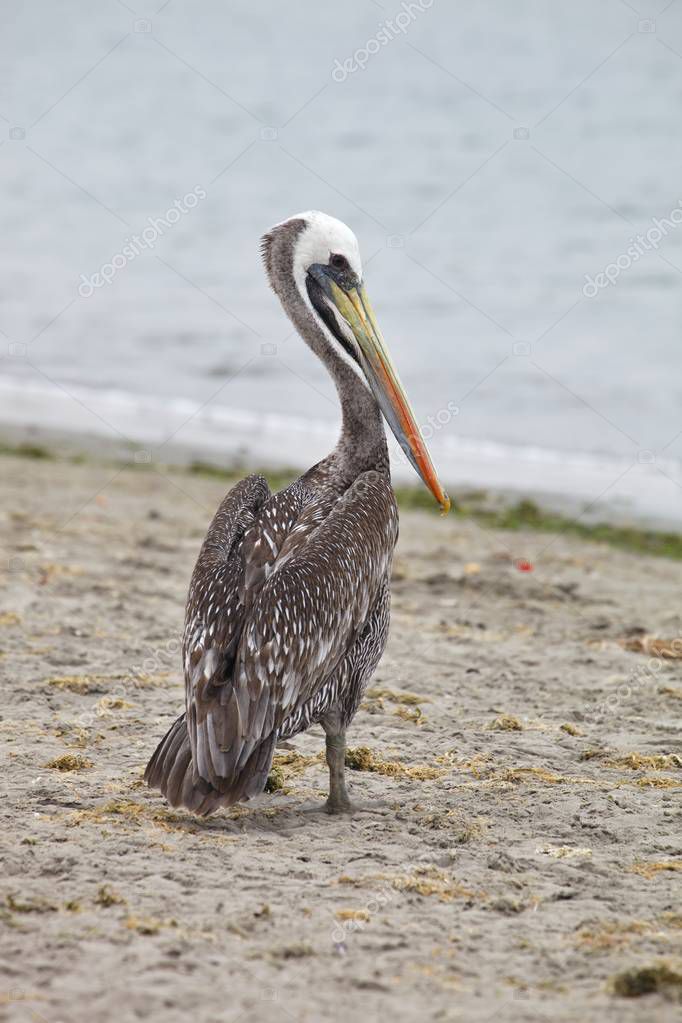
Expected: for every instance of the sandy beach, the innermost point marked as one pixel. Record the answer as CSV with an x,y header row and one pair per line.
x,y
516,850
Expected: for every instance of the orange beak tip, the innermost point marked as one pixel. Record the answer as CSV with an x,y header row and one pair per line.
x,y
445,505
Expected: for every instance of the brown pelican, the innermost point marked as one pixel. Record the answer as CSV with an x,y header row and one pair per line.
x,y
288,607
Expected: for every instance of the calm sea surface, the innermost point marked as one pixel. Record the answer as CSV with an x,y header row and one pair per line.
x,y
488,155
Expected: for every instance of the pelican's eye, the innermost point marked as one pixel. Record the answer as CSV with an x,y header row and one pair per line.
x,y
338,262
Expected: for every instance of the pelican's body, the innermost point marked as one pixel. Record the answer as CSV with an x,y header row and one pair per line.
x,y
288,608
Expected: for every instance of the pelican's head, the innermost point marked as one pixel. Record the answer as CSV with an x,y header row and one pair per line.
x,y
327,273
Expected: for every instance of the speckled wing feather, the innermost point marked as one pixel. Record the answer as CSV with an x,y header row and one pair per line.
x,y
310,611
241,545
344,688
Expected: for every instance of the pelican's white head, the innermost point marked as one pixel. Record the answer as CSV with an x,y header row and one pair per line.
x,y
326,241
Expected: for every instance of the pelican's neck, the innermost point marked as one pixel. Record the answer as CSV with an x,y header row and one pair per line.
x,y
362,444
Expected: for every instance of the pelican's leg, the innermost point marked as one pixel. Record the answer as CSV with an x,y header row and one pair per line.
x,y
338,800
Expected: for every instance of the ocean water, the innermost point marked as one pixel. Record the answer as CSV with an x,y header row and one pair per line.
x,y
512,173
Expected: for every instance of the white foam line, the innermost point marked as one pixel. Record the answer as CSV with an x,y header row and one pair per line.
x,y
236,436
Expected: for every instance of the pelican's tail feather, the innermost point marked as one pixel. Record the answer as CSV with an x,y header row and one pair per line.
x,y
172,771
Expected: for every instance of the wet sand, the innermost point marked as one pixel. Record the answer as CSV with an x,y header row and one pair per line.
x,y
516,847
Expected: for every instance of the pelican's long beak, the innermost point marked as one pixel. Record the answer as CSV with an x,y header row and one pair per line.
x,y
382,376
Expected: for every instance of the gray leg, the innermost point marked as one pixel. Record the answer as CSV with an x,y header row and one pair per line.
x,y
338,800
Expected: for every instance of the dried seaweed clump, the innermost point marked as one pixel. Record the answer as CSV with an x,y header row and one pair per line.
x,y
426,880
408,699
413,714
69,762
658,978
35,904
288,765
297,950
519,774
362,758
125,812
353,914
429,881
147,925
275,780
78,738
606,935
649,870
408,704
506,723
80,684
564,852
640,762
670,649
645,761
107,704
657,781
107,897
461,829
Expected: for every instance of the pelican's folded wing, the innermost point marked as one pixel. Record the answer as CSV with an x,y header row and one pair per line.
x,y
214,616
241,546
308,613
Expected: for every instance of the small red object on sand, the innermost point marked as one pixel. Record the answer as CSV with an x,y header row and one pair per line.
x,y
523,566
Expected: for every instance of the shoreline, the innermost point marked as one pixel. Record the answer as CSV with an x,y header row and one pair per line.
x,y
640,489
505,511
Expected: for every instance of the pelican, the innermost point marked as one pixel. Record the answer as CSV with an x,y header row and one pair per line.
x,y
288,607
